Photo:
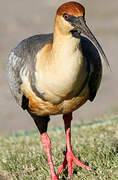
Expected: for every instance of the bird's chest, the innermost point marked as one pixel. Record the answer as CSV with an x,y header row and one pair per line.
x,y
62,91
63,79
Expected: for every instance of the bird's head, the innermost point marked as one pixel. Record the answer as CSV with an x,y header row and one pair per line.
x,y
70,19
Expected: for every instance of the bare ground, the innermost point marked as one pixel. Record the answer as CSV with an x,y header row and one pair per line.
x,y
21,19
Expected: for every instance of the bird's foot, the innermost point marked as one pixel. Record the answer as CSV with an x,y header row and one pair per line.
x,y
71,161
54,177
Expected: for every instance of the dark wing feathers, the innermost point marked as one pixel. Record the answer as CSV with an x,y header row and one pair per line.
x,y
20,57
94,61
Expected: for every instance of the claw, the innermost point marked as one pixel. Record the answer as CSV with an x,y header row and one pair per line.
x,y
71,161
54,178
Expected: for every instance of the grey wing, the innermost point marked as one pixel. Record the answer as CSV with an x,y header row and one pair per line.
x,y
14,80
24,57
95,66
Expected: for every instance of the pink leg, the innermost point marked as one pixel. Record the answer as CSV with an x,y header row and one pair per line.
x,y
47,147
70,160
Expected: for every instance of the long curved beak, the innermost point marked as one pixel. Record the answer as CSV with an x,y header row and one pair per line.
x,y
81,26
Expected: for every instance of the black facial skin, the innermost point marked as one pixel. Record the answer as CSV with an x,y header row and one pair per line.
x,y
72,20
68,17
79,26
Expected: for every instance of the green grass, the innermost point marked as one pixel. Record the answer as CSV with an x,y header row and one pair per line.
x,y
23,158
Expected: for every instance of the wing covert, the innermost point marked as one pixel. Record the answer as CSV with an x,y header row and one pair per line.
x,y
95,65
23,58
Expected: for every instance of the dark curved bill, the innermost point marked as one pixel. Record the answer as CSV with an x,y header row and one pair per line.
x,y
83,28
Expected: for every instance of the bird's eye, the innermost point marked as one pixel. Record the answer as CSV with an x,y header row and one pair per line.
x,y
66,16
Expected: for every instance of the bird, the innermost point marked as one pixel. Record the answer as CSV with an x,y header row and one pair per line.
x,y
56,73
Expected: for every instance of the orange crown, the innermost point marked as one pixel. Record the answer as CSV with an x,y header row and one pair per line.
x,y
72,8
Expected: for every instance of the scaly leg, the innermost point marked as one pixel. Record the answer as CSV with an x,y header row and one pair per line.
x,y
70,160
42,124
47,147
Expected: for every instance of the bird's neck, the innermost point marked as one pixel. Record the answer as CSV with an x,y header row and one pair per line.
x,y
64,52
64,46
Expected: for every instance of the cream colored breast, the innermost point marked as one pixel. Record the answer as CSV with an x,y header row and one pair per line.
x,y
61,78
